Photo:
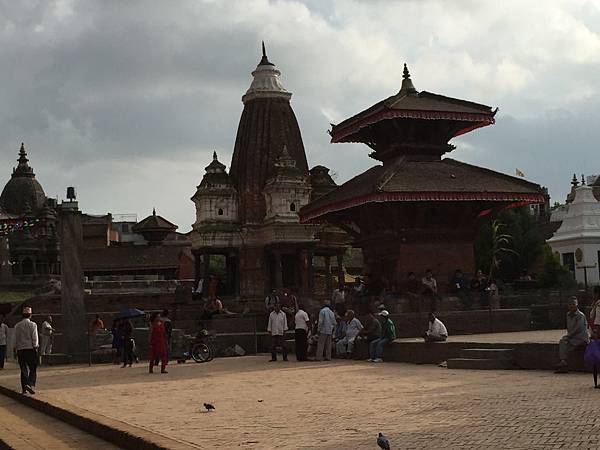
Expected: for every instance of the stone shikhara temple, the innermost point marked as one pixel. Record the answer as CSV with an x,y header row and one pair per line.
x,y
250,216
417,210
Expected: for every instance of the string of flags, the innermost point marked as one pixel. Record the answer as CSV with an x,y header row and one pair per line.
x,y
10,226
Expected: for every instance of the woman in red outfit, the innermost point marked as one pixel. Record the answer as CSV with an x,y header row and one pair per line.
x,y
158,343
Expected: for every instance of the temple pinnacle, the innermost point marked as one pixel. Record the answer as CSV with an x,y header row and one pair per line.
x,y
574,181
405,73
264,60
154,211
407,85
214,155
582,180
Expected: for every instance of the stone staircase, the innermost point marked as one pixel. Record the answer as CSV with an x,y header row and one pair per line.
x,y
484,359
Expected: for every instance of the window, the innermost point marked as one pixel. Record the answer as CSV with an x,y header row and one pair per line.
x,y
292,207
220,212
568,260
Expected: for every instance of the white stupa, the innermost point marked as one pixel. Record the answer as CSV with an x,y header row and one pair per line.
x,y
578,238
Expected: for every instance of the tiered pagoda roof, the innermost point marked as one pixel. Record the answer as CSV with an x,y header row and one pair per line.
x,y
154,228
409,133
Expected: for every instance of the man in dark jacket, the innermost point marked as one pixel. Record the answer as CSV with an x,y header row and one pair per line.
x,y
388,334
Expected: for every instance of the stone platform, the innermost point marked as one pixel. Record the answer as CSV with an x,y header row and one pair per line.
x,y
528,350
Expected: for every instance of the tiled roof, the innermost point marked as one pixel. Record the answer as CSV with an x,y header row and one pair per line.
x,y
440,180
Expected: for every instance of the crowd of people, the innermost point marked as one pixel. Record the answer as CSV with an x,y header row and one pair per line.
x,y
333,330
422,292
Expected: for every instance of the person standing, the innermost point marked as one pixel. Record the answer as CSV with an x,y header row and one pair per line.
x,y
577,334
271,300
388,334
302,322
158,343
27,344
326,326
3,340
127,330
277,327
594,317
46,337
168,335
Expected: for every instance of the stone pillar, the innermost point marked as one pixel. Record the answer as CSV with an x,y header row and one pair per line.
x,y
328,280
278,271
74,322
340,269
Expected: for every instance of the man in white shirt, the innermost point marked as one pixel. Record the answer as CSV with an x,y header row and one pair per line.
x,y
345,346
27,343
437,331
46,337
277,328
326,326
3,340
302,322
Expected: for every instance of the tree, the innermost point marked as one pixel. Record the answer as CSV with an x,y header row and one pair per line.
x,y
522,238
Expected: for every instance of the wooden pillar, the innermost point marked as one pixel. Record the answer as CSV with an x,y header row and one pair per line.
x,y
340,269
311,271
328,280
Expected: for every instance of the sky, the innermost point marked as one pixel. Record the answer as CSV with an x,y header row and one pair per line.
x,y
126,101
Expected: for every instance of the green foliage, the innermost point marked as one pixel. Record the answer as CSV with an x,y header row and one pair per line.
x,y
554,274
508,243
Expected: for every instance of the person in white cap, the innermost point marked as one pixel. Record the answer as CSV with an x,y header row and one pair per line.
x,y
27,343
388,334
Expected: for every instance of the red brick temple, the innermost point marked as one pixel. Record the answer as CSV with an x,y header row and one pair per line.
x,y
417,209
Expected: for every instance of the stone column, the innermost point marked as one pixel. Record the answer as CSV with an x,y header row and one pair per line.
x,y
74,323
278,271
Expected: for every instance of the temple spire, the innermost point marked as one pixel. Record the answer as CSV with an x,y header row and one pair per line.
x,y
154,212
407,85
23,166
582,180
574,181
215,155
264,60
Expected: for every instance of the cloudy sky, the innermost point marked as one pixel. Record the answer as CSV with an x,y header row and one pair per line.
x,y
126,100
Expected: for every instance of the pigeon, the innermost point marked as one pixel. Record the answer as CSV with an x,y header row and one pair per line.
x,y
208,407
383,442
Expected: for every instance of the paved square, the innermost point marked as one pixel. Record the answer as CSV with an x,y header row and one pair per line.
x,y
338,405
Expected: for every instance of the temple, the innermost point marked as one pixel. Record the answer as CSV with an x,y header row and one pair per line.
x,y
417,210
247,224
31,246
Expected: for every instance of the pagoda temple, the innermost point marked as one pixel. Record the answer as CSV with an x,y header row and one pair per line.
x,y
248,218
417,210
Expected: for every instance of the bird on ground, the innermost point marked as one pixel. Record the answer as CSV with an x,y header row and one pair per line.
x,y
383,442
208,407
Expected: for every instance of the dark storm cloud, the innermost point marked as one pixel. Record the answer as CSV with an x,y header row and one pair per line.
x,y
127,100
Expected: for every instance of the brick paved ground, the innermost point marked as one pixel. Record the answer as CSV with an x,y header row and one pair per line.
x,y
339,405
23,428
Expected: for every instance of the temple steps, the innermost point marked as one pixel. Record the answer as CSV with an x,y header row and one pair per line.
x,y
483,359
